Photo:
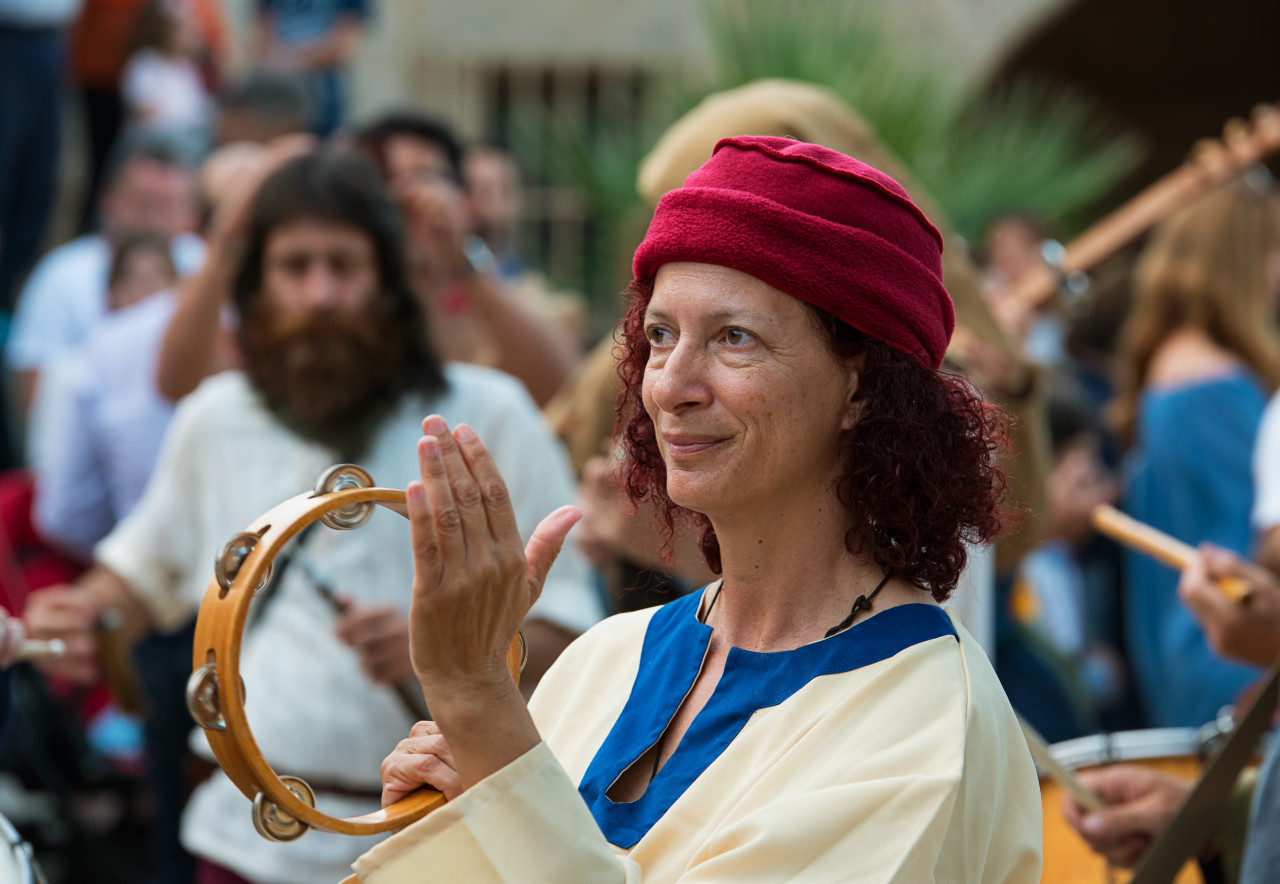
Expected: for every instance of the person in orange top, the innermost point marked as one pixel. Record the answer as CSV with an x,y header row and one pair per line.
x,y
101,42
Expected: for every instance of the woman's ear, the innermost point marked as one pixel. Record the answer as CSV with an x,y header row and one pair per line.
x,y
853,402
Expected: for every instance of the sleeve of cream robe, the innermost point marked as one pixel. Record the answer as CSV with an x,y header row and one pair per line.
x,y
525,823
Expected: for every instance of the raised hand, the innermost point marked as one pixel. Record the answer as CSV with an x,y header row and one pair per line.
x,y
474,580
436,225
242,182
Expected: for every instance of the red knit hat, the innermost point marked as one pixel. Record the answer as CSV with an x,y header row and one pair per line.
x,y
818,225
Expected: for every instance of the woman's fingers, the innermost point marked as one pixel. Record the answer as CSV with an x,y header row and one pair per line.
x,y
424,728
462,485
422,531
424,759
493,488
545,544
402,774
444,516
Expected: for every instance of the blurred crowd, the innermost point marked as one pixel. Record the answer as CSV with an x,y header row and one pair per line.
x,y
262,287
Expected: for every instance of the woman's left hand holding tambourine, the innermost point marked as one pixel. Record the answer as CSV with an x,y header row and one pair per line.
x,y
474,582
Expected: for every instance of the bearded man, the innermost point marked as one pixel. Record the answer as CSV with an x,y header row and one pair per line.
x,y
336,369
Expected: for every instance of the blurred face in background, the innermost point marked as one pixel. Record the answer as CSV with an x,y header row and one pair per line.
x,y
409,160
320,341
143,272
148,196
493,185
1014,249
1077,483
187,39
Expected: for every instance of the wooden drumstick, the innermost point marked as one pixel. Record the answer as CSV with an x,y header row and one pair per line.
x,y
1160,546
115,662
1054,770
1212,162
411,700
34,649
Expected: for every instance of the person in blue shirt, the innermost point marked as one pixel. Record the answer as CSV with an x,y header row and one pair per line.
x,y
1201,359
314,39
1141,801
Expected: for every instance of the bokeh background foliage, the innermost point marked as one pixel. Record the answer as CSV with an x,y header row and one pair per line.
x,y
1024,146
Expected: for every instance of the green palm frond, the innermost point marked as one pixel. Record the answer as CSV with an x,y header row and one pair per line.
x,y
843,46
1031,147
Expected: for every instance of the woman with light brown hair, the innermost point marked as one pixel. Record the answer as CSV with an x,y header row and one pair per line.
x,y
1200,358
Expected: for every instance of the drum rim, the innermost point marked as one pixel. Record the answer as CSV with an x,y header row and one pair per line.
x,y
1135,745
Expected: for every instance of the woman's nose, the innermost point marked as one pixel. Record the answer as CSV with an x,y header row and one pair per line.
x,y
681,382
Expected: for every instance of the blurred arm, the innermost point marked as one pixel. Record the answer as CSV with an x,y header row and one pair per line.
x,y
530,347
189,350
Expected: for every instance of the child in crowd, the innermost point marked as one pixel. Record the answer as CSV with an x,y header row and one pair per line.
x,y
1051,598
162,85
141,266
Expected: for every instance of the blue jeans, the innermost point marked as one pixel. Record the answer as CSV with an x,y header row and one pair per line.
x,y
31,62
326,94
164,662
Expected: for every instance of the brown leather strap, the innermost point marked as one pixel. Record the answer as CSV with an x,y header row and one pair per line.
x,y
1202,810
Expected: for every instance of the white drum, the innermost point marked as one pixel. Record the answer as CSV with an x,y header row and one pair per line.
x,y
1176,751
17,865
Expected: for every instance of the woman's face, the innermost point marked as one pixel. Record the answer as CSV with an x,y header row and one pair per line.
x,y
748,402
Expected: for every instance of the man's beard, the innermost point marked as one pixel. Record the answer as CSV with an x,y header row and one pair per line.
x,y
328,375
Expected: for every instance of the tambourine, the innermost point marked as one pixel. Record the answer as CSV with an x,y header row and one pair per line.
x,y
284,807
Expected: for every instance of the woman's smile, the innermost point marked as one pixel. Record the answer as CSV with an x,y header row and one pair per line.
x,y
683,446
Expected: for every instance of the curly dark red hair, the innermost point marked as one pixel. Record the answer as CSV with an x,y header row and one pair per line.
x,y
921,476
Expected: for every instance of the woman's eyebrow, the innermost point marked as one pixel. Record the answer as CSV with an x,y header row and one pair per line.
x,y
719,316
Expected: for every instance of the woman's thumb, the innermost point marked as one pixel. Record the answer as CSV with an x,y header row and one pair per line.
x,y
543,547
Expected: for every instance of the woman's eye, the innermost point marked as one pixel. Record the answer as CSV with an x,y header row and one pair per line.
x,y
658,336
736,337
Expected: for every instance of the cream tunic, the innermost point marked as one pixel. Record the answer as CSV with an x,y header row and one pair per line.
x,y
886,753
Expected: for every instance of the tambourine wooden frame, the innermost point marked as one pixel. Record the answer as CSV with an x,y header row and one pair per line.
x,y
219,631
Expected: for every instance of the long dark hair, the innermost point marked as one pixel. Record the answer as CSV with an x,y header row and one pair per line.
x,y
345,188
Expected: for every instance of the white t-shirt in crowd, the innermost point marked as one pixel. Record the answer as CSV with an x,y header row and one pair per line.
x,y
162,92
225,462
67,294
1266,469
97,424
